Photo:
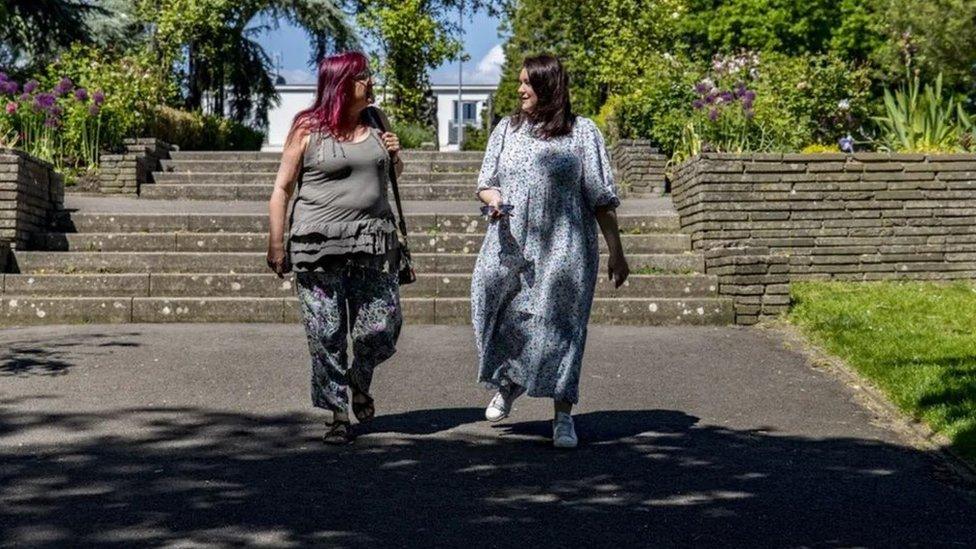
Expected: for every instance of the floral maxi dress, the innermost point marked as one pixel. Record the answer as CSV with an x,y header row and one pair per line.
x,y
533,282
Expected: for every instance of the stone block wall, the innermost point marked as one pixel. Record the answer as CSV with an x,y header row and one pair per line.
x,y
30,194
124,173
638,167
765,220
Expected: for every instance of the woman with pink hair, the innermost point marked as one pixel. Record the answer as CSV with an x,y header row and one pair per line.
x,y
342,242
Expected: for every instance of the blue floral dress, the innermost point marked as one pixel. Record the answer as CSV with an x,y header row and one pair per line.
x,y
533,282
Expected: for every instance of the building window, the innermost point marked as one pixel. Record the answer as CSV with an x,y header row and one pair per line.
x,y
470,112
469,115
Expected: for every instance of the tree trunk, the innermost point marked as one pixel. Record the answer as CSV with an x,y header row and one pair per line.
x,y
194,96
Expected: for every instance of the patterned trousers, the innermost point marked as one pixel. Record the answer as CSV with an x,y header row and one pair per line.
x,y
343,301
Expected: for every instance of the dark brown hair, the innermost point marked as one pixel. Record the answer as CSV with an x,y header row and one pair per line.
x,y
552,115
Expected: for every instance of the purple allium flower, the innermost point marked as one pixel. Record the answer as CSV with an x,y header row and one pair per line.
x,y
9,87
30,86
710,99
740,90
727,96
11,107
44,101
702,88
749,94
25,97
55,111
63,87
846,144
98,97
94,110
81,94
713,115
697,104
51,122
3,77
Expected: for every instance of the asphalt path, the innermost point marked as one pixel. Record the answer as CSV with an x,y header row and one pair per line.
x,y
203,435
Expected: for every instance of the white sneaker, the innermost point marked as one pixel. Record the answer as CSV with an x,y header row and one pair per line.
x,y
501,405
563,431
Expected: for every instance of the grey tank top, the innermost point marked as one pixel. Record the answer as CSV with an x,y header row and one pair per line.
x,y
341,211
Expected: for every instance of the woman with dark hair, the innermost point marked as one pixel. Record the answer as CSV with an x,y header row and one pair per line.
x,y
342,240
547,185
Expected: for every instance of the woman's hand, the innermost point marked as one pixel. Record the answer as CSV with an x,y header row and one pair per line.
x,y
617,269
392,142
278,260
493,199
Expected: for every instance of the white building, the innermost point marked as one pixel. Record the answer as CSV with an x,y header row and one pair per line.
x,y
300,96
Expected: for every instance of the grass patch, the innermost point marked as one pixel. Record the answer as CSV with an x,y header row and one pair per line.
x,y
915,340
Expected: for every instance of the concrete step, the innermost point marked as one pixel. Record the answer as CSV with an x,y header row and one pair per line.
x,y
28,310
40,262
428,191
258,222
269,166
269,285
408,155
653,243
239,177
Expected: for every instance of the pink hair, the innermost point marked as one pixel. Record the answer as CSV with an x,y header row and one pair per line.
x,y
333,93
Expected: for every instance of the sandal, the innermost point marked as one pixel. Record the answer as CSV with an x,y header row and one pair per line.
x,y
337,432
363,406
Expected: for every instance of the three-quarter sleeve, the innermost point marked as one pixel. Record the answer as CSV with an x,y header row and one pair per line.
x,y
488,177
599,189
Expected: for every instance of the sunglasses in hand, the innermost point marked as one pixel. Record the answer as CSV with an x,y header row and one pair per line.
x,y
505,209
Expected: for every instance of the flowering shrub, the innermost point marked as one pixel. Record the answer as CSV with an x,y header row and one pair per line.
x,y
134,86
33,120
741,102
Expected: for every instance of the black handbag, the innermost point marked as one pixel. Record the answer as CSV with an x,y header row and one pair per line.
x,y
406,274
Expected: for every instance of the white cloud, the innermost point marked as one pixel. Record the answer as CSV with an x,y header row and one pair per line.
x,y
490,66
488,69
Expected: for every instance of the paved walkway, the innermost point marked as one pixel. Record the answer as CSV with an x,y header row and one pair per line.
x,y
202,435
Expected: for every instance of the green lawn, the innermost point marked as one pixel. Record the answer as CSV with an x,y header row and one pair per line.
x,y
916,341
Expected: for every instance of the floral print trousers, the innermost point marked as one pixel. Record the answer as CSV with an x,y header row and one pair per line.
x,y
342,301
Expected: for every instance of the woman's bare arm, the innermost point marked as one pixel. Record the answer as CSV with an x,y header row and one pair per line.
x,y
617,268
288,170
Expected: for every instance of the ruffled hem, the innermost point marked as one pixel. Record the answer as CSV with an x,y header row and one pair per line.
x,y
368,236
368,240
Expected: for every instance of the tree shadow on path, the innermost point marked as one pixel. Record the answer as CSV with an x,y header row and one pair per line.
x,y
427,478
54,356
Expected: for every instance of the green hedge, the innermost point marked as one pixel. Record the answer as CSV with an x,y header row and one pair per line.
x,y
194,131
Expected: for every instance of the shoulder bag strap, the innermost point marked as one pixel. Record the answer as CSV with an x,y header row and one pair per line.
x,y
377,119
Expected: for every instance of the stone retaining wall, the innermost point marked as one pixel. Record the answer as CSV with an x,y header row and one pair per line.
x,y
124,173
765,220
30,193
638,167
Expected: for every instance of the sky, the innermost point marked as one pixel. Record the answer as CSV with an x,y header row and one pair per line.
x,y
289,46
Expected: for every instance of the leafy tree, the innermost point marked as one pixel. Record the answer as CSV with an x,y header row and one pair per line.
x,y
934,37
605,44
783,26
33,31
211,44
411,37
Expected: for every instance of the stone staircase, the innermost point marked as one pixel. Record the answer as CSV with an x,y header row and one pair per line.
x,y
191,249
247,176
